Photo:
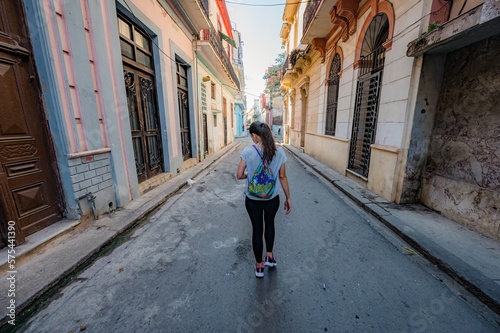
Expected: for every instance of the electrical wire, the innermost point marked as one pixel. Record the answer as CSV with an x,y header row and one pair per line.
x,y
268,5
139,23
393,39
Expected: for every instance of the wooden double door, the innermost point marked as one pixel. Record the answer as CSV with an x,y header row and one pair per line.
x,y
144,122
184,116
139,76
30,193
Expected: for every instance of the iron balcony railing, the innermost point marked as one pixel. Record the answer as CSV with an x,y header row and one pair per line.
x,y
204,5
286,66
213,37
309,13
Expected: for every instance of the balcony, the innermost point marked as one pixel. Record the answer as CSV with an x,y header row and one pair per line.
x,y
324,16
469,27
194,12
286,66
309,14
293,64
317,22
212,50
239,98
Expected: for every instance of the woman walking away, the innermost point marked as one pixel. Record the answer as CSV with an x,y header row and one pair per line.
x,y
264,165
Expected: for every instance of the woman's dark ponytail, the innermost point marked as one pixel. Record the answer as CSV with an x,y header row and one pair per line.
x,y
266,136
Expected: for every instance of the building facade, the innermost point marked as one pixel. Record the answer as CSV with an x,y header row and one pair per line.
x,y
240,99
219,83
105,100
372,89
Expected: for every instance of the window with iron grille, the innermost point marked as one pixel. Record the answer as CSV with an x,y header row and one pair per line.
x,y
204,105
333,95
212,91
371,65
232,112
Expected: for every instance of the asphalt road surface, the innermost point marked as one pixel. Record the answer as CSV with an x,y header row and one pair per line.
x,y
190,268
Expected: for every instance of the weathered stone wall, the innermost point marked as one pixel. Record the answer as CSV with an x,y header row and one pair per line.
x,y
424,114
462,178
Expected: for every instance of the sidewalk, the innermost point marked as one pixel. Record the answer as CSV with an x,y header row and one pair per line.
x,y
468,257
50,256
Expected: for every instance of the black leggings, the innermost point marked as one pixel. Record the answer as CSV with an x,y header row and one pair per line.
x,y
262,212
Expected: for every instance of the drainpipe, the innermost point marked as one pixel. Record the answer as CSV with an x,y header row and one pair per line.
x,y
201,153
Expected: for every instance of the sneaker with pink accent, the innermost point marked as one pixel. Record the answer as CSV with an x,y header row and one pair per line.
x,y
259,270
271,262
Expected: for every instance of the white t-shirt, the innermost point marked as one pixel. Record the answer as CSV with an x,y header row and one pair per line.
x,y
252,159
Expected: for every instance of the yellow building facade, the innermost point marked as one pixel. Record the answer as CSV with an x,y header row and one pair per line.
x,y
367,87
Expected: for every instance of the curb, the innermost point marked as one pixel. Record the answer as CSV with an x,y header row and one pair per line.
x,y
425,247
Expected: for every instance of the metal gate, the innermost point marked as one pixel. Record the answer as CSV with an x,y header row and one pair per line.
x,y
371,66
204,108
205,134
183,104
364,123
333,95
224,117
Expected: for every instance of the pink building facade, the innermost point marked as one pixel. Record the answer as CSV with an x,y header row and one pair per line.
x,y
120,86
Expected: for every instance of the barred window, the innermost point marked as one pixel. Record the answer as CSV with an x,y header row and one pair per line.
x,y
333,95
204,106
212,91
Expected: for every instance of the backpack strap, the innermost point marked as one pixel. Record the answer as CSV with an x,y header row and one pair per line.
x,y
258,152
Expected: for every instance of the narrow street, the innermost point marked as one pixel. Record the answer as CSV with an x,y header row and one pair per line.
x,y
189,268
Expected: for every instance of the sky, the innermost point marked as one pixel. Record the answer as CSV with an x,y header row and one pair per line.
x,y
260,28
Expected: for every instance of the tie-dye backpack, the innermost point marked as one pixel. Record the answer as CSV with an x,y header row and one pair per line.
x,y
263,181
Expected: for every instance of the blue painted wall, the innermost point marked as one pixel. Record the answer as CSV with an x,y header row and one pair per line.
x,y
239,115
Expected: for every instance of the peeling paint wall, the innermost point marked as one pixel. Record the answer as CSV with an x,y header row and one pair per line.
x,y
424,114
462,177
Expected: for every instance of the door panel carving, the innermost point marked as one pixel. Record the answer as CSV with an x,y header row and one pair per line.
x,y
28,172
144,122
13,124
139,74
23,168
183,105
30,199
